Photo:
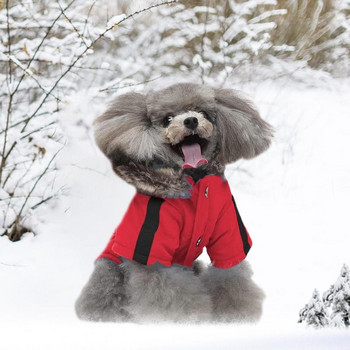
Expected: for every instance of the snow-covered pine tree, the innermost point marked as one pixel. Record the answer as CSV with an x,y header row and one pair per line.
x,y
338,297
314,313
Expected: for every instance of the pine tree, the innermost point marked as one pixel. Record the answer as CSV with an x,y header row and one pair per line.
x,y
338,296
314,313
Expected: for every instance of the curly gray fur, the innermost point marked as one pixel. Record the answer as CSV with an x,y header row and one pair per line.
x,y
235,296
132,136
104,297
133,292
138,293
140,146
162,181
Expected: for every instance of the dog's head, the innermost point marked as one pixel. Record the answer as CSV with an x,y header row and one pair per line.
x,y
185,125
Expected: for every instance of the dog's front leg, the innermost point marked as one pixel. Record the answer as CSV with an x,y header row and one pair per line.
x,y
235,297
104,297
172,294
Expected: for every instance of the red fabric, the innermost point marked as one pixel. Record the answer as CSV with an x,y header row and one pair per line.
x,y
206,219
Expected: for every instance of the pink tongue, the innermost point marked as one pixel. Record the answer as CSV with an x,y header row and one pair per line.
x,y
193,156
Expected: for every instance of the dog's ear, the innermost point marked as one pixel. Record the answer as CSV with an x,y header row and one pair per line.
x,y
124,130
243,134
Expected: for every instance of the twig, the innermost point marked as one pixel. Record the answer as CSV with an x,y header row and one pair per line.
x,y
21,121
30,14
128,85
90,169
3,156
202,40
11,265
9,197
41,43
43,201
63,64
88,16
8,36
34,186
29,73
36,130
81,37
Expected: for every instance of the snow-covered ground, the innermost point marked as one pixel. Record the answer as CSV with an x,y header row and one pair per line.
x,y
294,201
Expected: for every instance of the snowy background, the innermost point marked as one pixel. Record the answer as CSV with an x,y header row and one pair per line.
x,y
294,201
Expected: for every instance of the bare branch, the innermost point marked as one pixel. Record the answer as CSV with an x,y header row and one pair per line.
x,y
88,48
42,201
22,121
3,155
65,65
8,37
128,85
41,43
29,73
88,16
81,37
34,186
8,116
38,129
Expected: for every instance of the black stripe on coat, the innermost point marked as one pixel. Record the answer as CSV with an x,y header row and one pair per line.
x,y
148,230
242,229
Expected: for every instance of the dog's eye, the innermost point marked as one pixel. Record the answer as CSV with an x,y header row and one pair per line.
x,y
206,115
167,120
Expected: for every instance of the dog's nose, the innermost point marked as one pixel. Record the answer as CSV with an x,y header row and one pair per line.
x,y
191,122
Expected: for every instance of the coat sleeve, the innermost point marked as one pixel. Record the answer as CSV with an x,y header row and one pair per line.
x,y
230,242
148,233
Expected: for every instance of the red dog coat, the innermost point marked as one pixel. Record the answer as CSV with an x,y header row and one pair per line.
x,y
175,231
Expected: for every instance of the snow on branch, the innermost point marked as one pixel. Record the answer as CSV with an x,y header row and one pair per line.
x,y
43,45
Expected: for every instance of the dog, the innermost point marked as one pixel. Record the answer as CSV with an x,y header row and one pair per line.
x,y
173,145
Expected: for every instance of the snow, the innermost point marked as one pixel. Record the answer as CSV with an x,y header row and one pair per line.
x,y
115,20
293,199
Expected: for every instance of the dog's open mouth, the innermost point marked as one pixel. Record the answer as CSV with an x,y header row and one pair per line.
x,y
191,149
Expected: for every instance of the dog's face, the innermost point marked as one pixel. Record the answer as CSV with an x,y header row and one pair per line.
x,y
184,118
185,125
190,135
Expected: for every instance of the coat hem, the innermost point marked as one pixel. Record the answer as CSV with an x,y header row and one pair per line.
x,y
228,263
129,254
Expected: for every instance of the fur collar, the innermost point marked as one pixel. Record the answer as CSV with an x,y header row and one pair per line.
x,y
161,181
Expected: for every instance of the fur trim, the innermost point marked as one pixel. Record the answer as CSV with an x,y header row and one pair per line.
x,y
104,297
235,297
163,181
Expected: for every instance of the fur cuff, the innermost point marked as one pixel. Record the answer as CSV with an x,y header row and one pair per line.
x,y
157,293
235,297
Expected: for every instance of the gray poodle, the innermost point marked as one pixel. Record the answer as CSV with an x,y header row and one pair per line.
x,y
173,145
